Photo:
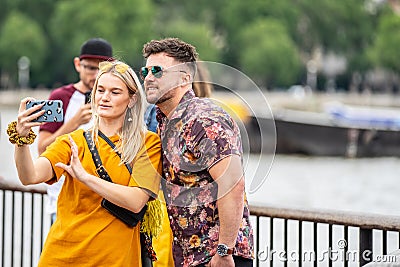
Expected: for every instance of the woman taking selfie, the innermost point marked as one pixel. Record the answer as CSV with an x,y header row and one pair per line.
x,y
85,233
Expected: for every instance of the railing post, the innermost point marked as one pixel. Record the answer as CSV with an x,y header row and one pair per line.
x,y
365,255
257,240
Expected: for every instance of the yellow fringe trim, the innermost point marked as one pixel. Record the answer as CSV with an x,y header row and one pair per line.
x,y
152,220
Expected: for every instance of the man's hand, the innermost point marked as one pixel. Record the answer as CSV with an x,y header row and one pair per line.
x,y
218,261
83,115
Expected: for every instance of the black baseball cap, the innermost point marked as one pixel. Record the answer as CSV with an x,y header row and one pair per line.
x,y
96,48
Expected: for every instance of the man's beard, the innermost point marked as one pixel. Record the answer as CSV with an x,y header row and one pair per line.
x,y
163,97
89,85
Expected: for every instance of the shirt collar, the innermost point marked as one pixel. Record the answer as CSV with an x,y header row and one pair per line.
x,y
178,112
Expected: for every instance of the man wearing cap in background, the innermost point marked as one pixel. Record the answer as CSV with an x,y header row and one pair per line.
x,y
77,113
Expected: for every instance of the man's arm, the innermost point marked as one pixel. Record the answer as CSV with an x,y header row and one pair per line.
x,y
82,116
228,173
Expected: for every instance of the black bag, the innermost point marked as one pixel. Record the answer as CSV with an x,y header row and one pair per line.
x,y
128,217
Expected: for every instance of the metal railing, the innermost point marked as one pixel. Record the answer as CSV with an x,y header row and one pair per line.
x,y
299,237
24,223
283,236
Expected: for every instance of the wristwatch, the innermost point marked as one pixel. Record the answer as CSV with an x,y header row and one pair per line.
x,y
223,250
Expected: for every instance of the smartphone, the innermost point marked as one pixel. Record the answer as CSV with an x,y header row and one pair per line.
x,y
53,110
87,97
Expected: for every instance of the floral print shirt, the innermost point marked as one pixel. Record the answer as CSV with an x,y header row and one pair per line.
x,y
198,135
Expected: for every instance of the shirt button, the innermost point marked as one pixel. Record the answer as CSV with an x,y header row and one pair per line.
x,y
175,238
170,217
169,195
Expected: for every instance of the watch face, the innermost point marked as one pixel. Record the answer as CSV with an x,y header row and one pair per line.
x,y
222,250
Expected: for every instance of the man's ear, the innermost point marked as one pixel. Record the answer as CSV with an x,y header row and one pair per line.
x,y
77,64
187,79
132,101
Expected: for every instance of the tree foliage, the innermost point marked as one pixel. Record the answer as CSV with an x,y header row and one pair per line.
x,y
30,41
271,40
384,51
268,53
198,34
337,26
124,23
240,14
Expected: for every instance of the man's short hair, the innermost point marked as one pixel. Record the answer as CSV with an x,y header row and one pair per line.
x,y
175,48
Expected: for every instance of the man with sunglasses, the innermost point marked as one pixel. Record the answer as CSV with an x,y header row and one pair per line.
x,y
202,163
77,111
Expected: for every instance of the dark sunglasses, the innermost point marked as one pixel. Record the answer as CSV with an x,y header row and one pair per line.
x,y
157,71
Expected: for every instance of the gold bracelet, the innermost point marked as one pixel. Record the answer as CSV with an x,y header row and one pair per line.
x,y
15,138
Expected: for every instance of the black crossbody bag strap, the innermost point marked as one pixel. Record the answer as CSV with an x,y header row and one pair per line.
x,y
121,213
128,217
112,145
101,171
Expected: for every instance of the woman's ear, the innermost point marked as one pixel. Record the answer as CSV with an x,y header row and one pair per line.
x,y
132,101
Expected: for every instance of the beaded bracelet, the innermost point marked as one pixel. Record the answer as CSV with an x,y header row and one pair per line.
x,y
15,138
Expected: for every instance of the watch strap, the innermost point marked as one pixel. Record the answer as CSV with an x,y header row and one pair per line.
x,y
230,251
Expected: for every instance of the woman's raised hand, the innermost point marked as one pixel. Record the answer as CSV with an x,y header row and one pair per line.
x,y
25,116
75,169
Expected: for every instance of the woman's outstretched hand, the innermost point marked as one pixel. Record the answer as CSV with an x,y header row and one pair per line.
x,y
75,169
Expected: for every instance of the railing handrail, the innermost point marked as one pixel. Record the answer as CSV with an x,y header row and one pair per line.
x,y
14,186
347,218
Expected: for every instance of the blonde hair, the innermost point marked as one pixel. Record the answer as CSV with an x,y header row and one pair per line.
x,y
133,131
